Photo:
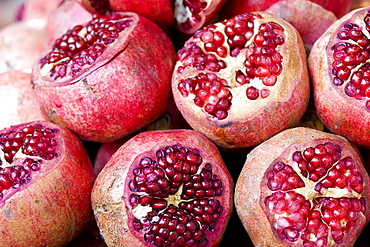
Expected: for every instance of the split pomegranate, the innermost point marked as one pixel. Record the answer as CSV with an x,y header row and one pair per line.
x,y
21,44
17,103
242,80
46,179
67,15
107,78
191,16
303,187
339,68
164,188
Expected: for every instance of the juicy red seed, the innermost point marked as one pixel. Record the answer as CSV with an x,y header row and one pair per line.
x,y
76,49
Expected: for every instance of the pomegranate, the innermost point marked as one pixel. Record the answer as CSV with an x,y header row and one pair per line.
x,y
21,44
191,16
242,80
108,78
46,180
16,100
37,9
310,19
164,188
303,187
160,12
236,7
339,68
67,15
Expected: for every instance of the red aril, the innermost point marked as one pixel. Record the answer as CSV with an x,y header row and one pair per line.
x,y
339,68
46,179
242,80
164,188
17,103
303,187
107,78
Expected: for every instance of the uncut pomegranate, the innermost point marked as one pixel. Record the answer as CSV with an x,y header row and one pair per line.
x,y
164,188
242,80
191,16
160,12
46,179
21,44
339,68
17,103
236,7
303,187
107,78
310,19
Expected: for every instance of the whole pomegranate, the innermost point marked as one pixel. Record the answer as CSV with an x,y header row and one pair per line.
x,y
17,103
164,188
339,68
310,19
236,7
21,44
37,9
106,78
303,187
46,180
160,12
242,80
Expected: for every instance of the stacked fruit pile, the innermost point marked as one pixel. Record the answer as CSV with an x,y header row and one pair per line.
x,y
185,123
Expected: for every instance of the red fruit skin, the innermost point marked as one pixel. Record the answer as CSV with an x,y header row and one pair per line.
x,y
118,96
236,7
110,192
17,103
341,114
55,208
310,19
158,11
249,123
248,189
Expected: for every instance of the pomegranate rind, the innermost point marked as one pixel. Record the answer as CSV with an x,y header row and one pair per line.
x,y
16,99
341,114
158,11
249,192
108,102
56,207
250,122
110,193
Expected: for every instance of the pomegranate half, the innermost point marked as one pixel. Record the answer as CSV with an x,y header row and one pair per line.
x,y
303,187
339,69
164,188
242,80
107,78
46,179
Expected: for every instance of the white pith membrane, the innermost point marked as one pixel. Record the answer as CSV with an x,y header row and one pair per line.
x,y
20,160
183,13
173,200
277,92
92,56
363,100
317,204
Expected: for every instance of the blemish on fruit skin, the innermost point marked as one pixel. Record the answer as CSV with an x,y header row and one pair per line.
x,y
226,125
7,214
